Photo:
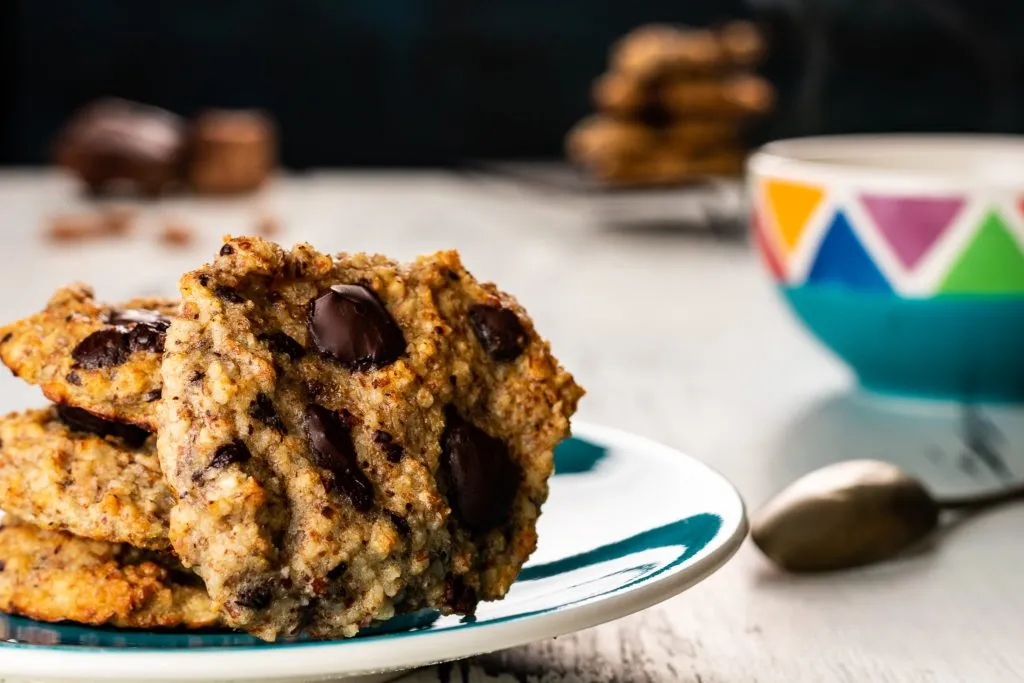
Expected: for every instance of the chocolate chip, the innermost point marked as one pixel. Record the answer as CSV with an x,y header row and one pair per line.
x,y
279,342
131,316
3,565
204,280
484,478
460,596
331,447
255,596
7,338
102,349
196,376
83,421
316,389
228,294
350,324
262,409
147,337
338,571
227,250
401,525
74,378
235,451
392,451
153,395
499,331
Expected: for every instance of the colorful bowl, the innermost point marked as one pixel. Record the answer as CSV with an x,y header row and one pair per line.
x,y
903,254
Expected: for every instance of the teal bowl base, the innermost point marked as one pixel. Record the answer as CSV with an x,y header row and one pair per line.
x,y
959,348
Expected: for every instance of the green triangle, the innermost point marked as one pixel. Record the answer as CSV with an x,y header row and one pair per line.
x,y
992,263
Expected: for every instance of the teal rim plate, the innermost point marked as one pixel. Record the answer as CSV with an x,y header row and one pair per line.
x,y
629,523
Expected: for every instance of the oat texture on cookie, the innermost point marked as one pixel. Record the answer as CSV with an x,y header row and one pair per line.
x,y
349,437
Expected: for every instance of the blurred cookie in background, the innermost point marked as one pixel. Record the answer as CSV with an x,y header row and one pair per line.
x,y
673,105
231,151
113,143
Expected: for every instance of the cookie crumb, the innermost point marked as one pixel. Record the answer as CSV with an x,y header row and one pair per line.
x,y
75,227
268,226
177,235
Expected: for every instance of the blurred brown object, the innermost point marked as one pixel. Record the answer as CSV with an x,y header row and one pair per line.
x,y
657,50
231,151
115,141
268,226
109,222
673,105
718,99
175,234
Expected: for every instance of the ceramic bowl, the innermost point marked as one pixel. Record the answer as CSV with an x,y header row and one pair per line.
x,y
902,253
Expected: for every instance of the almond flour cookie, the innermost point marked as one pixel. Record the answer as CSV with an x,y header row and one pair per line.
x,y
327,472
102,358
54,576
62,468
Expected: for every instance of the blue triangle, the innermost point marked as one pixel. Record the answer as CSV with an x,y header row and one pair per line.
x,y
842,260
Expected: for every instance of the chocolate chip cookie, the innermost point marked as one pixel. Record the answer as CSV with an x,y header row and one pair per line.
x,y
65,469
54,576
327,470
102,358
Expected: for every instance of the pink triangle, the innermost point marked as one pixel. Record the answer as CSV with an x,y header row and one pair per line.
x,y
911,225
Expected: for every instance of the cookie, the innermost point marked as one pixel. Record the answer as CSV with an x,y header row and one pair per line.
x,y
62,468
602,141
658,51
54,576
731,98
328,473
115,141
230,151
102,358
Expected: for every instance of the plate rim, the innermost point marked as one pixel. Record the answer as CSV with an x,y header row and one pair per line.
x,y
290,661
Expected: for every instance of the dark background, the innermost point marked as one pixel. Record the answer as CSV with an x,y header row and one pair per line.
x,y
416,82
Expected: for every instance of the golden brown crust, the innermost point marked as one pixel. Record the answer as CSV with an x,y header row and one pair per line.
x,y
92,486
54,576
38,349
273,513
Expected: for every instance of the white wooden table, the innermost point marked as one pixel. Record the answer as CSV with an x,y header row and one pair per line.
x,y
676,336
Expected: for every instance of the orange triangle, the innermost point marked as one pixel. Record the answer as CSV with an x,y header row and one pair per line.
x,y
791,204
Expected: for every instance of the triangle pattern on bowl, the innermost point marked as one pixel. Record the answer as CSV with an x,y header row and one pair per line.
x,y
911,225
765,248
791,205
843,260
991,263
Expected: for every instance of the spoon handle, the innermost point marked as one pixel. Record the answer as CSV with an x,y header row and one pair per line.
x,y
983,500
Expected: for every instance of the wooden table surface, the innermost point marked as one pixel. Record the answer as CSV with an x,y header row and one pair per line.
x,y
677,336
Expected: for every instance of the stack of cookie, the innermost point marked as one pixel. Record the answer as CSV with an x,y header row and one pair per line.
x,y
304,443
673,105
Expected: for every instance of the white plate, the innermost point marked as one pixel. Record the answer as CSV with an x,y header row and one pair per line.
x,y
629,523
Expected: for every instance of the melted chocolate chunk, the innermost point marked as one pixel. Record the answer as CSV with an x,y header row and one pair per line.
x,y
83,421
262,409
256,596
279,342
350,324
204,280
229,294
338,571
459,596
401,525
392,451
131,316
73,378
484,478
7,337
229,453
227,250
147,337
499,331
102,349
153,395
331,447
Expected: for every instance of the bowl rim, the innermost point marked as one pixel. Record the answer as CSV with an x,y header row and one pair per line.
x,y
847,159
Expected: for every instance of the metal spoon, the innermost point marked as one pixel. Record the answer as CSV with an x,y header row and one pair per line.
x,y
854,513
